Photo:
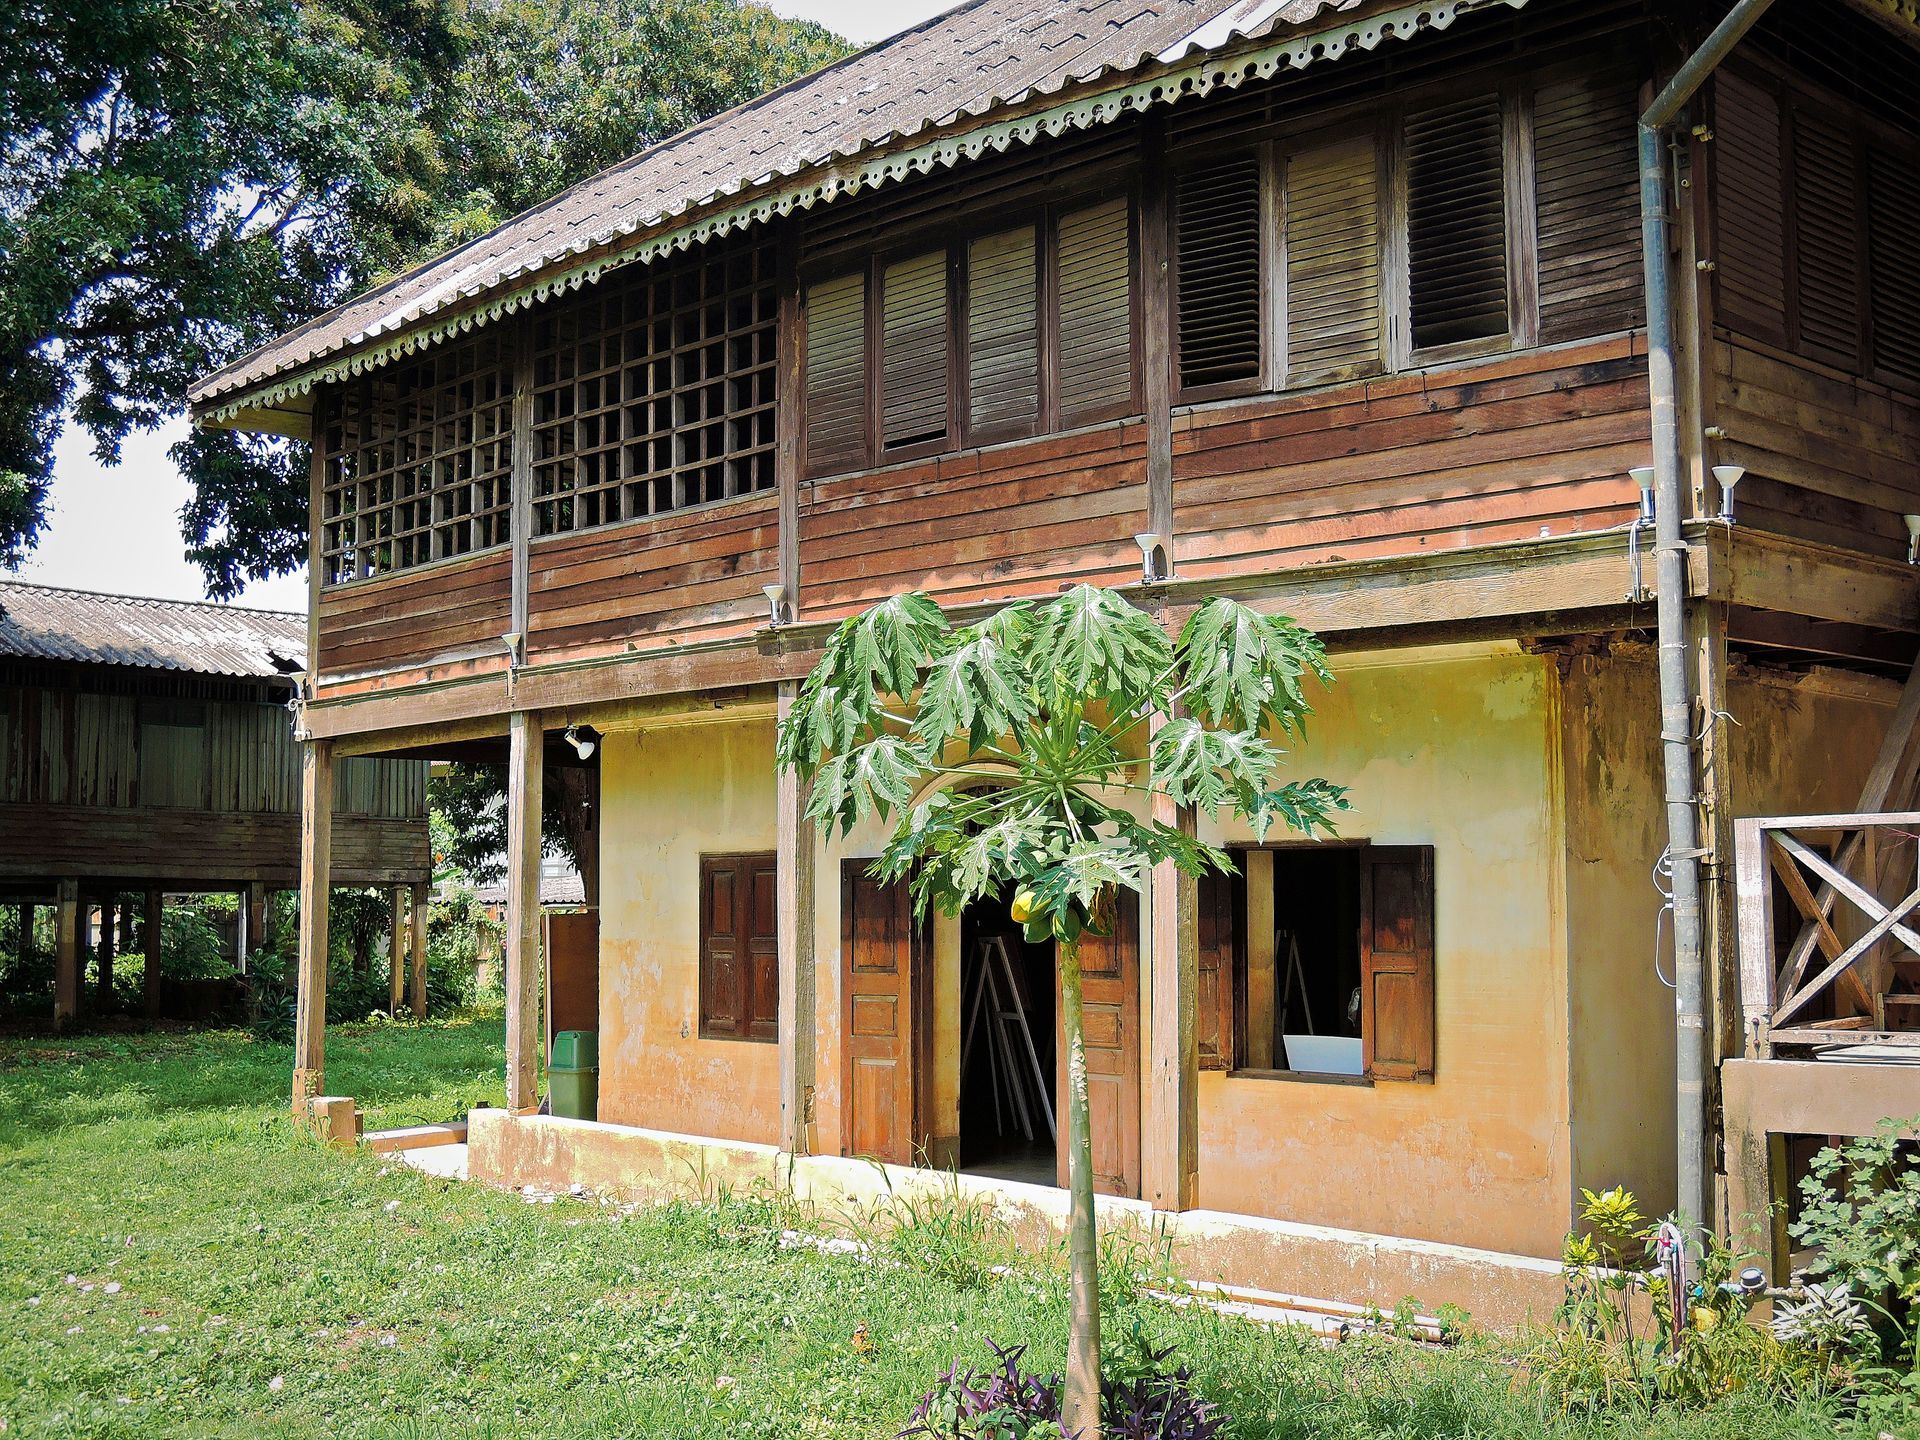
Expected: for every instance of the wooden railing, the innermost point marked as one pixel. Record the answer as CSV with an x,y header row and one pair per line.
x,y
1847,888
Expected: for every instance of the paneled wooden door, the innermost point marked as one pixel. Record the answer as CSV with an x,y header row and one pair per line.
x,y
883,977
1110,984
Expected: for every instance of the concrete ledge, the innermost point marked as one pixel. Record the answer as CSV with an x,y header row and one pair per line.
x,y
1502,1292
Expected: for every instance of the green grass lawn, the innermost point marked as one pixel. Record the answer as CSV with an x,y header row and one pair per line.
x,y
176,1261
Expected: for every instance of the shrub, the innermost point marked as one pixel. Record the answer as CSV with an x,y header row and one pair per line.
x,y
1860,1208
1140,1399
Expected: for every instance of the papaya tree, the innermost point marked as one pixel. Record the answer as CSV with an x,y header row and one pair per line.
x,y
1023,753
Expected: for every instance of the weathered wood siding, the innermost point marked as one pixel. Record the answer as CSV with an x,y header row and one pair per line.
x,y
1412,463
1005,521
450,613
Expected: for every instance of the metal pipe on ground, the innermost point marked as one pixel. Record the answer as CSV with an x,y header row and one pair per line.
x,y
1692,1057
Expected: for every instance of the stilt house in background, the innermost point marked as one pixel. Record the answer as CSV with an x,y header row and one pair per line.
x,y
146,748
1369,313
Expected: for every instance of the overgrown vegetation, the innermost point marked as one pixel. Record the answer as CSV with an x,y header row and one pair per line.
x,y
231,1279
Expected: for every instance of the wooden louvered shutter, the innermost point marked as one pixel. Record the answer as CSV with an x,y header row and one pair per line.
x,y
723,969
1094,282
1396,961
913,351
1334,319
1587,196
1217,252
1003,335
1749,210
1893,257
1456,223
760,941
1218,944
836,388
1826,239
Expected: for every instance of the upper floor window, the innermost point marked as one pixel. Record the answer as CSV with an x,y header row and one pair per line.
x,y
1009,332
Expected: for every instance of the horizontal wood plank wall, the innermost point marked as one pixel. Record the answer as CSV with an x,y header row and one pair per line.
x,y
1410,464
1829,457
683,576
1010,520
448,612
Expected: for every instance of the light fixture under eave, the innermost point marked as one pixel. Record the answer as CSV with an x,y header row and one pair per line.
x,y
1913,538
1156,557
1728,476
1643,477
776,604
583,738
513,639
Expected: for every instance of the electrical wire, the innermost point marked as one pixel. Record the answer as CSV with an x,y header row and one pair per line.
x,y
1662,870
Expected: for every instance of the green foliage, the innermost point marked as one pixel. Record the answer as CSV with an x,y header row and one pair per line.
x,y
1860,1211
1030,725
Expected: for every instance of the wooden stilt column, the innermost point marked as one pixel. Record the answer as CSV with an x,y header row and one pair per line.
x,y
66,959
316,886
417,951
1170,1134
796,842
524,763
397,932
150,933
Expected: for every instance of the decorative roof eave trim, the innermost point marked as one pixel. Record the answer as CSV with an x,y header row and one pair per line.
x,y
1192,78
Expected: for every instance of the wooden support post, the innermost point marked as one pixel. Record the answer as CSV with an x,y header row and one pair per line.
x,y
316,893
525,756
417,951
66,960
150,941
788,408
397,932
1156,310
104,955
1170,1138
796,842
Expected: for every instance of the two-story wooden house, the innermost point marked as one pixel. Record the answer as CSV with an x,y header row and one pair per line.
x,y
1341,308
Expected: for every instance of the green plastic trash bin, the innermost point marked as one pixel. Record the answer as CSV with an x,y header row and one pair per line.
x,y
573,1079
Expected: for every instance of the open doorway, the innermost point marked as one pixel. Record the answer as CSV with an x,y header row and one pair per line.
x,y
1007,1027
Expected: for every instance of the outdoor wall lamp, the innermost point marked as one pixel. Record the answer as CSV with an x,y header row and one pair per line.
x,y
1913,538
1643,477
777,613
1728,476
513,640
583,738
1156,557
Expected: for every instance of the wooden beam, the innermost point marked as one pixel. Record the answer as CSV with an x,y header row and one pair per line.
x,y
151,937
417,951
787,409
1170,1136
796,852
316,894
398,929
524,765
66,958
520,474
1798,577
316,540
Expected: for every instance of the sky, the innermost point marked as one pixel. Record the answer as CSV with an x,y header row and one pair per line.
x,y
117,528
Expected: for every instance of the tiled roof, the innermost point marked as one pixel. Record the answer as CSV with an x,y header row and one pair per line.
x,y
951,75
45,622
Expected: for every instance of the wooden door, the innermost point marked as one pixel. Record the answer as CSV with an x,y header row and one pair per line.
x,y
1110,982
572,952
878,954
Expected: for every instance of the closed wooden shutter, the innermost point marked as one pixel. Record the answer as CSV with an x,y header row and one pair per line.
x,y
739,953
1750,265
1217,253
1003,335
1587,196
1893,250
836,363
1396,961
1334,318
913,351
1826,238
1456,223
1094,272
1218,944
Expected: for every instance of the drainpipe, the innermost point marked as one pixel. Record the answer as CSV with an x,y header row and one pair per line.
x,y
1693,1059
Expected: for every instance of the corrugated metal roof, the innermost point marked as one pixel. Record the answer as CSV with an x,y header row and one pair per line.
x,y
47,622
947,75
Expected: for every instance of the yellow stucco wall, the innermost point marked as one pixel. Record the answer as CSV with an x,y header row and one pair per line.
x,y
1456,749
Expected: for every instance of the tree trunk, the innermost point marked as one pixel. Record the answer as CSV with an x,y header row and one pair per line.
x,y
1080,1401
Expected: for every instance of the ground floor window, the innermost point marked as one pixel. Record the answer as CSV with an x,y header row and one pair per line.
x,y
739,949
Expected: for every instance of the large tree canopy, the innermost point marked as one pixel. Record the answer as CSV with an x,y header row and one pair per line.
x,y
182,179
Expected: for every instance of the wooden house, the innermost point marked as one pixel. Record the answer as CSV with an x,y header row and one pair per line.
x,y
1344,309
146,748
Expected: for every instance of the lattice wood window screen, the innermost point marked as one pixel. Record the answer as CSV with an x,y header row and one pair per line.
x,y
654,392
1456,223
418,462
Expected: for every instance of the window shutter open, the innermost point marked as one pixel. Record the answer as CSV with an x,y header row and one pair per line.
x,y
913,351
1749,209
1218,942
763,950
836,362
1334,324
1456,223
1826,248
1095,284
1396,961
1893,250
1587,197
1217,249
1003,335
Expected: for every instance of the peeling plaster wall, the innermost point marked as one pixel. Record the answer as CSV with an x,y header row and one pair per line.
x,y
1458,749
